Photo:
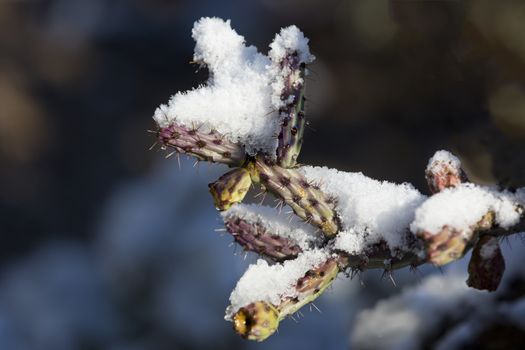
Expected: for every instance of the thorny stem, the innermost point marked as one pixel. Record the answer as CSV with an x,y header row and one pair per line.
x,y
306,199
290,137
206,146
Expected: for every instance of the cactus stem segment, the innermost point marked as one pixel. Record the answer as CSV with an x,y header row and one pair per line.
x,y
256,238
307,201
260,319
230,188
208,146
290,138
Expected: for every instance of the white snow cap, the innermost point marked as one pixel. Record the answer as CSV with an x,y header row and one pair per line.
x,y
464,206
275,222
237,99
370,210
441,157
290,39
271,283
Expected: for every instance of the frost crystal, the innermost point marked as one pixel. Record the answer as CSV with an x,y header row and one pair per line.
x,y
237,99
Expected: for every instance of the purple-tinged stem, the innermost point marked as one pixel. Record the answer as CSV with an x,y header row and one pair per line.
x,y
207,146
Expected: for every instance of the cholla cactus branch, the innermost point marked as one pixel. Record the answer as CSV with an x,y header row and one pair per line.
x,y
206,146
251,98
290,55
304,197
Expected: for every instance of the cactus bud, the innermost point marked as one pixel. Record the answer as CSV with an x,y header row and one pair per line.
x,y
446,246
256,321
230,188
444,171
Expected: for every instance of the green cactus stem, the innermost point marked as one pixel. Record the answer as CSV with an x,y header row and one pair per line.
x,y
256,238
230,188
290,138
207,146
306,199
487,265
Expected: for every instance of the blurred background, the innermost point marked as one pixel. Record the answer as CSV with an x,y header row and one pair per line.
x,y
106,245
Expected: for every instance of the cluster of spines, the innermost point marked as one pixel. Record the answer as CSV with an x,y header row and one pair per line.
x,y
290,138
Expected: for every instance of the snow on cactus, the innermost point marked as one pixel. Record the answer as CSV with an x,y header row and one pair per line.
x,y
250,115
243,94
